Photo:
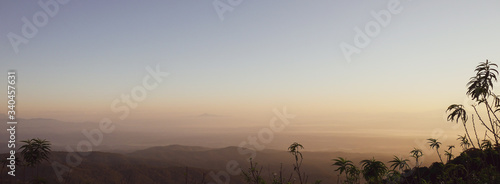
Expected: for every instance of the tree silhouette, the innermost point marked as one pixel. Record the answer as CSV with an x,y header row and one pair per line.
x,y
416,153
253,176
393,176
480,90
449,153
486,145
464,142
450,147
353,174
399,163
343,166
459,113
35,151
433,143
480,86
373,170
294,150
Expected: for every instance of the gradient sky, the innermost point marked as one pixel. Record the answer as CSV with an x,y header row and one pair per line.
x,y
263,55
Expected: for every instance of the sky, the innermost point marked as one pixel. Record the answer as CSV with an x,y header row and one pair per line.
x,y
262,55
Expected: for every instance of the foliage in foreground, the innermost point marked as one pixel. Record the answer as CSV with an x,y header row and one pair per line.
x,y
478,163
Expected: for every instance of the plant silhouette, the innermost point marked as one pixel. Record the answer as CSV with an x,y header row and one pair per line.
x,y
343,166
433,143
373,170
35,151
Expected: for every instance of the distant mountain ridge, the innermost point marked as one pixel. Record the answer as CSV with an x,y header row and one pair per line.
x,y
168,164
111,168
316,164
177,147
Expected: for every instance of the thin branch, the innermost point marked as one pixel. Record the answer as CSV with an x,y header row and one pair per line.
x,y
483,122
475,132
494,115
491,121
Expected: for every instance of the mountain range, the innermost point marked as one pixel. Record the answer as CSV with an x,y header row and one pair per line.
x,y
178,164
